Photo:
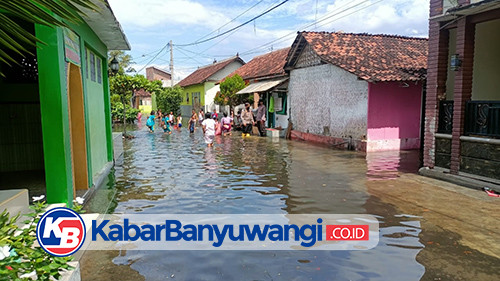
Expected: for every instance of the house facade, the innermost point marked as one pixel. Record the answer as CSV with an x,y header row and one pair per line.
x,y
267,80
55,107
357,91
200,87
146,101
462,117
154,73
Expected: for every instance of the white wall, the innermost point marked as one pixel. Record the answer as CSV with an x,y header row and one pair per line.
x,y
209,98
281,120
328,96
225,71
210,93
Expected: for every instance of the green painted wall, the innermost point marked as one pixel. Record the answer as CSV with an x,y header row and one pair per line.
x,y
486,82
193,89
54,111
97,104
96,127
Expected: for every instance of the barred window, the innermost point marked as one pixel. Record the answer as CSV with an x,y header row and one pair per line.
x,y
99,71
92,66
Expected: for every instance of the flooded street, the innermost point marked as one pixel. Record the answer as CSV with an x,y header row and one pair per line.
x,y
429,230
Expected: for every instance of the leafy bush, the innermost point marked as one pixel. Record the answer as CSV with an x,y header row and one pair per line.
x,y
228,89
169,99
19,259
117,112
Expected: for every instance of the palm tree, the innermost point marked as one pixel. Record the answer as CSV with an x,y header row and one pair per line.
x,y
15,39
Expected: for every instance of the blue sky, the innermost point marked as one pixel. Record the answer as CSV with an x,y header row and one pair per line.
x,y
150,24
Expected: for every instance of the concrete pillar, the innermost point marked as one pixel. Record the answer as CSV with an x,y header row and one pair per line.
x,y
463,86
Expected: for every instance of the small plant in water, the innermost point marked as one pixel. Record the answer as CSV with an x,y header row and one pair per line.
x,y
19,258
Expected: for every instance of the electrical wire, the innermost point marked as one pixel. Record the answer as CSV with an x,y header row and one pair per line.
x,y
234,28
147,64
325,17
232,20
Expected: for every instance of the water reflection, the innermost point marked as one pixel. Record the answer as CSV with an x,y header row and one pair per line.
x,y
178,174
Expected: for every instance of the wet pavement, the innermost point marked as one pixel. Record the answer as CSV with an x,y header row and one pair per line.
x,y
429,230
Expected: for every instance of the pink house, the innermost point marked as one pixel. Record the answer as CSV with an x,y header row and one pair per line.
x,y
357,91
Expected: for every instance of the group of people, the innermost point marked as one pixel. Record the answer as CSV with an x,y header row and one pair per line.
x,y
210,123
213,127
167,121
248,120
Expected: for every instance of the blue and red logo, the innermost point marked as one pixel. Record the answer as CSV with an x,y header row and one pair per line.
x,y
60,232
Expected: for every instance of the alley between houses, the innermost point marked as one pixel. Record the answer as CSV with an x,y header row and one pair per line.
x,y
430,230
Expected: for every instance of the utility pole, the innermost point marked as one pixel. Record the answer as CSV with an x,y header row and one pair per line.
x,y
171,64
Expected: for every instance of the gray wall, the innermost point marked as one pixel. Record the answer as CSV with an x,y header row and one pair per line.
x,y
327,100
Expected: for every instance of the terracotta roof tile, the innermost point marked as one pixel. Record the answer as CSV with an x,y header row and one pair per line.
x,y
267,65
372,57
142,93
203,73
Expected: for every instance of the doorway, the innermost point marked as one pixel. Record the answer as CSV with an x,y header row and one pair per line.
x,y
77,128
21,143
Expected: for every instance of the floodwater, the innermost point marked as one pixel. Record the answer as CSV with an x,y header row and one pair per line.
x,y
168,174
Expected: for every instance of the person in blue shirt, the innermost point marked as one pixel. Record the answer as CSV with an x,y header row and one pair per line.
x,y
151,122
166,125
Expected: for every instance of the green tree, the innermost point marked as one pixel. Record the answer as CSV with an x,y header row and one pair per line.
x,y
169,99
228,89
124,61
15,39
124,86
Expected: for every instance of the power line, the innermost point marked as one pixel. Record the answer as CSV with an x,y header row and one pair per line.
x,y
215,30
219,35
234,28
202,53
327,16
147,64
191,58
322,19
374,3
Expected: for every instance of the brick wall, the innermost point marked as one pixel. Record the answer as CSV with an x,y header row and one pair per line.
x,y
436,8
154,74
463,86
436,86
329,101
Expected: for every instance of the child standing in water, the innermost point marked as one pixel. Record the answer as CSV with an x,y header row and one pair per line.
x,y
151,122
226,124
208,130
192,123
179,121
166,125
218,130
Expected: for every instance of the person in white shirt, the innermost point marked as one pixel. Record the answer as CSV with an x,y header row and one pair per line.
x,y
201,116
208,130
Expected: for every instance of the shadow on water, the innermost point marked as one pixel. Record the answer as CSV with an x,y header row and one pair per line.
x,y
165,174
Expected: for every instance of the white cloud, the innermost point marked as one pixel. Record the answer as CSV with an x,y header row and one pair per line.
x,y
150,24
404,17
151,13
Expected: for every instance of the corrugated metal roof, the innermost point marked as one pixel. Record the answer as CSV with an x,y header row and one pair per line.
x,y
259,87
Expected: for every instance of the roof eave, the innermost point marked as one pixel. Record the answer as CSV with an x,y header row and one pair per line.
x,y
105,25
